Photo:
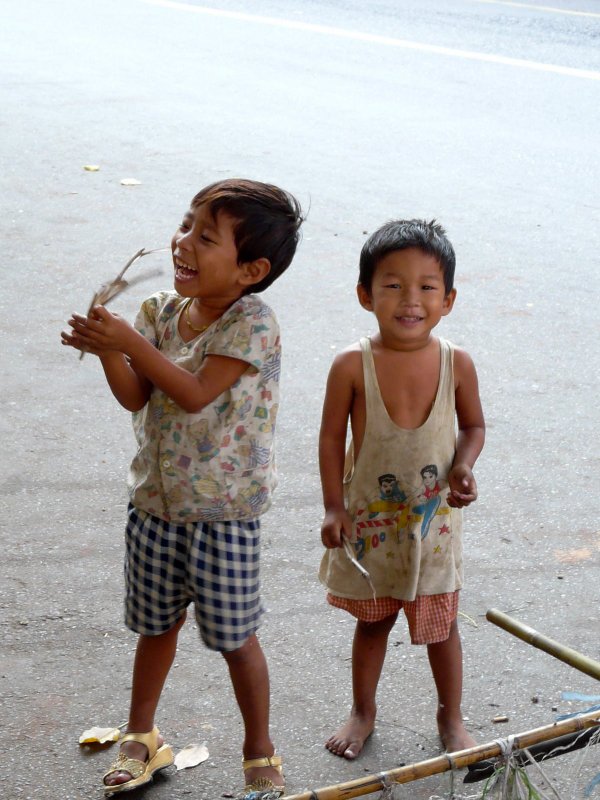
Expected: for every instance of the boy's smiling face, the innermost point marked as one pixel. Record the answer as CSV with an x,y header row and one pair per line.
x,y
407,296
205,257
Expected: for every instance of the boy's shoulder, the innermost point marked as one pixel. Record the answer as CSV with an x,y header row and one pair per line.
x,y
348,362
250,311
460,355
463,365
251,305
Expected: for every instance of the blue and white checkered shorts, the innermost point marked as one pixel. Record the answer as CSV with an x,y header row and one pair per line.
x,y
214,565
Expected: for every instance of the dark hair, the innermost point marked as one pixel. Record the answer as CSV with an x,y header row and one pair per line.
x,y
429,468
267,221
387,477
400,234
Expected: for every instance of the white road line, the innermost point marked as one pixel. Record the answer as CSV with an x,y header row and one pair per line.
x,y
374,38
549,9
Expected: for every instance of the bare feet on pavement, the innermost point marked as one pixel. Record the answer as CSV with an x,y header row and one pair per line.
x,y
453,734
349,740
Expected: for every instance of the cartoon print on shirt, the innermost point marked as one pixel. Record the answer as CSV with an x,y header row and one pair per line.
x,y
429,498
406,511
391,497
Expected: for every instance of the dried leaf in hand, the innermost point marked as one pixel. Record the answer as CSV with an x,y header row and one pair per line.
x,y
130,182
99,736
191,756
111,289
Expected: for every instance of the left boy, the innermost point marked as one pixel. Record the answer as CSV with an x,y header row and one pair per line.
x,y
200,372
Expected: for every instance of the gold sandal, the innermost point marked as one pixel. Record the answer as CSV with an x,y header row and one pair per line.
x,y
141,771
263,788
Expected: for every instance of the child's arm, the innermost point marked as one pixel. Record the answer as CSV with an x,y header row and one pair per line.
x,y
471,432
332,447
131,389
108,335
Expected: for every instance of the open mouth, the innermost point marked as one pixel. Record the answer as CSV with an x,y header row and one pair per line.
x,y
404,320
183,271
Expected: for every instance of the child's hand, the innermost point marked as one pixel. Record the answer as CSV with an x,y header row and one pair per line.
x,y
463,488
99,333
336,524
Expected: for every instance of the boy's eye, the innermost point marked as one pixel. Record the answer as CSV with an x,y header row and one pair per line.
x,y
392,286
205,238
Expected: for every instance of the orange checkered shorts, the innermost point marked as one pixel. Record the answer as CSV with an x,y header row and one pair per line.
x,y
429,616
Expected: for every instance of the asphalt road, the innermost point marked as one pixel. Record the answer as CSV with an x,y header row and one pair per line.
x,y
484,115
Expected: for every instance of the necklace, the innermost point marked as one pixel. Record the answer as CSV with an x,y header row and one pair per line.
x,y
190,324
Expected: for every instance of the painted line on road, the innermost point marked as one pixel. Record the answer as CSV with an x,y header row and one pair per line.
x,y
389,41
549,9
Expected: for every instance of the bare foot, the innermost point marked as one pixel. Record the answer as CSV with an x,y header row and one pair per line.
x,y
349,740
453,733
131,750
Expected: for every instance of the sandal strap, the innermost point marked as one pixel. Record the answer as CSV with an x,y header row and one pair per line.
x,y
274,761
149,740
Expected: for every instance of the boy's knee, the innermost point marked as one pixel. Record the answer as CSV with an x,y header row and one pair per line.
x,y
243,652
378,628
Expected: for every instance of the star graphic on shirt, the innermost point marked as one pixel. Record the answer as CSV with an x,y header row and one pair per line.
x,y
437,549
390,554
444,529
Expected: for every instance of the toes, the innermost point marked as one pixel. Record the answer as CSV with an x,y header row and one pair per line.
x,y
117,778
342,747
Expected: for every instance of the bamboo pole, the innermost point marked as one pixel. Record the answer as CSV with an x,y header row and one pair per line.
x,y
556,649
448,761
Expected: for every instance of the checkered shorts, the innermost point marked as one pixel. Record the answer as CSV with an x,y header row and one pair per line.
x,y
214,565
429,616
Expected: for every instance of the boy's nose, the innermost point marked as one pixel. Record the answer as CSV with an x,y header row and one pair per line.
x,y
184,240
409,297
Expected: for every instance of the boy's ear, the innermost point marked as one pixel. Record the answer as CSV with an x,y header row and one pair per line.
x,y
255,271
449,302
364,297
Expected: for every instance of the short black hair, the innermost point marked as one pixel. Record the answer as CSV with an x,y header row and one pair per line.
x,y
266,218
400,234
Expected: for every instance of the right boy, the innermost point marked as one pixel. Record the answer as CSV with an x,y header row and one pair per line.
x,y
402,390
200,371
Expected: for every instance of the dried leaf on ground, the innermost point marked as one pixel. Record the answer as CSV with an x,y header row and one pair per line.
x,y
99,736
191,756
91,167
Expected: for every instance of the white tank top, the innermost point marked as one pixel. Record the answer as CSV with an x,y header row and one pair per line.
x,y
404,532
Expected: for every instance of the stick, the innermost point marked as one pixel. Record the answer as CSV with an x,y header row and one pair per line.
x,y
108,291
435,766
556,649
359,567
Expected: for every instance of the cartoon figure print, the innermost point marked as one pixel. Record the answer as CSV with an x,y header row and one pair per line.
x,y
428,499
412,505
391,497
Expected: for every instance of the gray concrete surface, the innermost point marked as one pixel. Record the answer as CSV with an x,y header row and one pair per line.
x,y
505,155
